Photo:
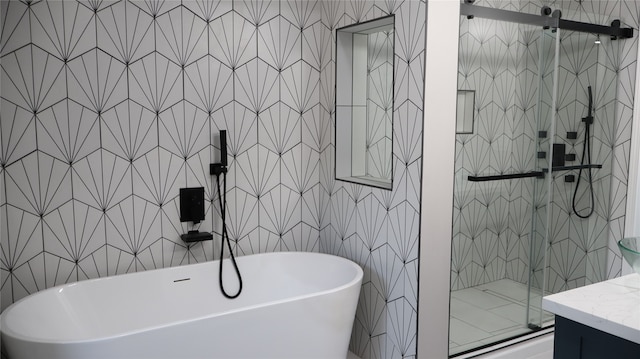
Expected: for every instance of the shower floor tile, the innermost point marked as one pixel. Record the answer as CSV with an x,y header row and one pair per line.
x,y
486,314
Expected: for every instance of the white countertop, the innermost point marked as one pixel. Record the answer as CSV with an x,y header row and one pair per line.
x,y
612,306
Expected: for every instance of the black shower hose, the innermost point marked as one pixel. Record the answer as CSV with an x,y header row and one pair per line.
x,y
225,235
586,149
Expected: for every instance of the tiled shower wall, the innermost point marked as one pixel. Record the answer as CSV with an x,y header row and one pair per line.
x,y
379,229
491,220
489,245
109,107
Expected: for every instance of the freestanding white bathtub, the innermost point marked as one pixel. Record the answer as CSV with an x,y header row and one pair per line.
x,y
293,305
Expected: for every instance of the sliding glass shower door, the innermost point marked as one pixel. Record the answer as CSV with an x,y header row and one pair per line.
x,y
532,174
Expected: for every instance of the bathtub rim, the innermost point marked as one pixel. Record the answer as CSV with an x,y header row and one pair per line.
x,y
4,331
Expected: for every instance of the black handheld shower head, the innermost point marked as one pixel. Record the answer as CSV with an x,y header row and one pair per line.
x,y
218,168
589,119
223,148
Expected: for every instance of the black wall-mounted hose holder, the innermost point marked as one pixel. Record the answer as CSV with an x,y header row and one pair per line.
x,y
192,210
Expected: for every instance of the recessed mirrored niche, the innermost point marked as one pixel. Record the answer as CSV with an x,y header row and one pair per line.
x,y
364,102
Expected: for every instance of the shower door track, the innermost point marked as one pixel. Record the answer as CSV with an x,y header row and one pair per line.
x,y
554,21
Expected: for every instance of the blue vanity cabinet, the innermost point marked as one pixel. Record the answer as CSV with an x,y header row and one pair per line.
x,y
574,340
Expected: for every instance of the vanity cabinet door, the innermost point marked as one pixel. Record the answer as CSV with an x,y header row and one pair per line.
x,y
574,340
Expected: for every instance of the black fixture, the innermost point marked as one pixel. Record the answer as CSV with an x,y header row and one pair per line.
x,y
570,157
192,210
542,154
569,178
554,21
542,134
537,174
572,135
218,170
558,155
586,156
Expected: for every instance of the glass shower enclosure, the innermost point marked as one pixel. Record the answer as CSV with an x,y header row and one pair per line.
x,y
532,175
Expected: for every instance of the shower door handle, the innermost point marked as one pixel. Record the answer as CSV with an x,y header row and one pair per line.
x,y
537,174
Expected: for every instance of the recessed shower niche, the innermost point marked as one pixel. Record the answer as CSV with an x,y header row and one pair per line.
x,y
364,102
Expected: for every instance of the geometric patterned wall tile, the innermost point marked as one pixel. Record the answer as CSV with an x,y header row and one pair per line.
x,y
343,214
127,41
20,246
280,210
72,245
279,128
241,125
372,222
34,79
317,46
15,31
129,130
68,131
259,241
97,80
156,8
232,40
184,130
401,335
208,84
407,133
133,227
301,13
258,12
56,33
279,43
256,85
316,128
312,207
102,180
257,171
33,193
158,175
299,86
181,36
242,214
300,169
301,238
403,232
155,82
17,132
